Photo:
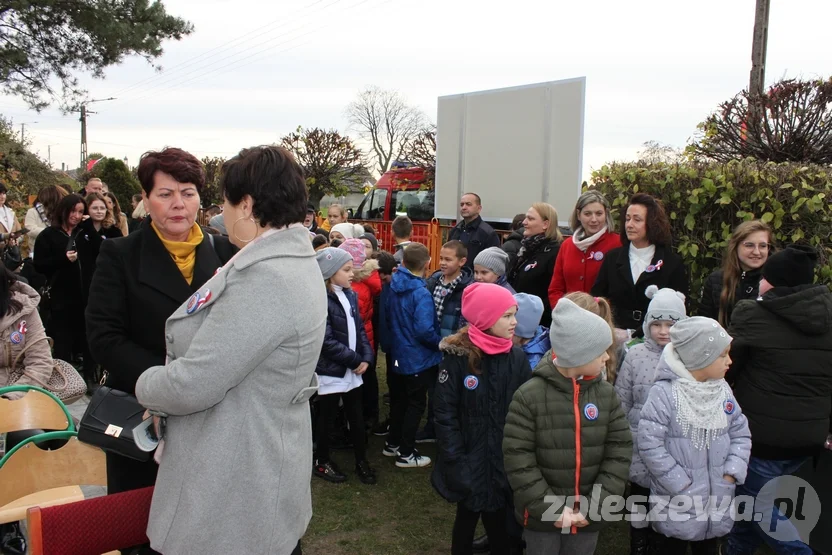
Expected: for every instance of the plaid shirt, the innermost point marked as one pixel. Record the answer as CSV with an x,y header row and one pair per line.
x,y
441,291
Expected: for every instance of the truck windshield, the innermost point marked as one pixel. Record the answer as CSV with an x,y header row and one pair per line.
x,y
416,205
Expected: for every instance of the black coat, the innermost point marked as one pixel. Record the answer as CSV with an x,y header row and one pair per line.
x,y
63,276
748,287
629,303
533,273
476,236
336,356
469,422
512,246
136,287
781,369
88,244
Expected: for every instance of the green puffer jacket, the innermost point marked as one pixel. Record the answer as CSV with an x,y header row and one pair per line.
x,y
544,456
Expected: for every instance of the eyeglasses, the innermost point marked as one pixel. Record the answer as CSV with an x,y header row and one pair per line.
x,y
760,246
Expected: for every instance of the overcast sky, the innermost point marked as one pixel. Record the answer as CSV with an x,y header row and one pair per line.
x,y
252,72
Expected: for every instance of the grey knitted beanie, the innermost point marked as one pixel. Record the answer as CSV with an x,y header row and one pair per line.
x,y
493,258
699,341
578,336
330,260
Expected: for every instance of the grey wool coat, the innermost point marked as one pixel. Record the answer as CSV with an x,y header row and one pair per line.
x,y
635,378
679,470
236,466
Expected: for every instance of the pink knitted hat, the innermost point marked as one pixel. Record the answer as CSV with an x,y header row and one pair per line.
x,y
484,303
355,247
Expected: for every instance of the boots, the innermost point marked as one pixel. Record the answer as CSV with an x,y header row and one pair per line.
x,y
640,541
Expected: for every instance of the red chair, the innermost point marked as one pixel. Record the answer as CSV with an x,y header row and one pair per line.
x,y
90,527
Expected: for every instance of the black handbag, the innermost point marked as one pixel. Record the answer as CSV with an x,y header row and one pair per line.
x,y
109,421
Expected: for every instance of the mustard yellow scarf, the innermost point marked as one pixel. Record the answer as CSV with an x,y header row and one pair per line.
x,y
183,252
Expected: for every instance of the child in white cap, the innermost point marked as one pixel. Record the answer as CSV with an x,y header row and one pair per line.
x,y
635,378
693,440
566,434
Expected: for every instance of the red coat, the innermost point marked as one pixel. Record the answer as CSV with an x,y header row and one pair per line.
x,y
576,270
367,285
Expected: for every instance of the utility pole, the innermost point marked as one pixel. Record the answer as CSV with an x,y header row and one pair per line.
x,y
84,113
23,132
758,58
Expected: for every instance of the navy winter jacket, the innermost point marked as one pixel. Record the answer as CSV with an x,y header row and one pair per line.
x,y
410,316
451,319
470,414
336,356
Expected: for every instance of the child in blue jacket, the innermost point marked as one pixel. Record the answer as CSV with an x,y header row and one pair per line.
x,y
529,334
414,339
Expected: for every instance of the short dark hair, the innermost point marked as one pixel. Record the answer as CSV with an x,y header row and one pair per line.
x,y
49,197
402,227
272,177
458,247
386,262
517,222
65,206
369,229
180,165
658,226
415,257
319,241
479,200
3,189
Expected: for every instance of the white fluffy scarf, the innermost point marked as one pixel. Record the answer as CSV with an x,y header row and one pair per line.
x,y
580,240
699,405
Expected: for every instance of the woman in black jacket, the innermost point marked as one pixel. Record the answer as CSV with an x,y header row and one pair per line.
x,y
532,271
92,232
57,259
514,240
646,258
141,279
739,279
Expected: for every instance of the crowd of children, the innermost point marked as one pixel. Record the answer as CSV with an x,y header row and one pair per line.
x,y
524,415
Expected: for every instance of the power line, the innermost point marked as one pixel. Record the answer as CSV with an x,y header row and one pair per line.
x,y
238,62
160,80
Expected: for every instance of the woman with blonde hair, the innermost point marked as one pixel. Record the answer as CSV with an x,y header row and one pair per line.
x,y
532,271
739,278
581,255
601,307
119,217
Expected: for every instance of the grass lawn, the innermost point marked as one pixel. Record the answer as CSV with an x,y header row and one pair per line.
x,y
402,514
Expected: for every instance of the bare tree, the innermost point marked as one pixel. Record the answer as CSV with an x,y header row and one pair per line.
x,y
329,161
655,152
422,152
387,121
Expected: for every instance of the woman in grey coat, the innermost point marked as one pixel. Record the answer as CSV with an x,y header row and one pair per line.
x,y
236,458
694,441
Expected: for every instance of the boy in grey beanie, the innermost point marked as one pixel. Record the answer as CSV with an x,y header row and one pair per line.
x,y
693,438
578,336
490,266
330,260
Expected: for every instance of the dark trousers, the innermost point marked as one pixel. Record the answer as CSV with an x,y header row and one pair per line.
x,y
67,330
328,409
466,524
370,387
434,374
407,404
663,545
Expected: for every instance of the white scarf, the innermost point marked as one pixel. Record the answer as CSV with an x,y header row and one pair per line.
x,y
640,259
7,218
700,406
580,240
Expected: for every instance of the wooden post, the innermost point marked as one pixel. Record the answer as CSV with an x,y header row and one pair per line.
x,y
758,60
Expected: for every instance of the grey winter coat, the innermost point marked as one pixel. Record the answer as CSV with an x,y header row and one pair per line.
x,y
236,467
677,468
635,378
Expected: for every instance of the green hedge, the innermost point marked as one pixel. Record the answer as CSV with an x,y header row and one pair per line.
x,y
705,201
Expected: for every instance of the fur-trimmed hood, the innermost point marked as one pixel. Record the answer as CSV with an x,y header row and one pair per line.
x,y
453,349
365,271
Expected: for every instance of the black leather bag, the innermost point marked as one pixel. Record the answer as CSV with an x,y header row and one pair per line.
x,y
109,421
